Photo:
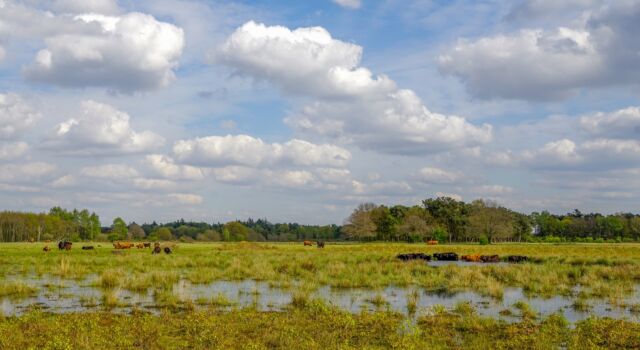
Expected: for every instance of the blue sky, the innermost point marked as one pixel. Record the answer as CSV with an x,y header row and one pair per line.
x,y
299,111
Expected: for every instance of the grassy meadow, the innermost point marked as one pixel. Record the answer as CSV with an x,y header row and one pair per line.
x,y
607,271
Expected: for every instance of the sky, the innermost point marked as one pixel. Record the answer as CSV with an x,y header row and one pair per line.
x,y
297,111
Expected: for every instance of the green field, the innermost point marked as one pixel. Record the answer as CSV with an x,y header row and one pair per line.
x,y
587,272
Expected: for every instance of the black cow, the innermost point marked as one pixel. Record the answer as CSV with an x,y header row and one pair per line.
x,y
489,258
517,258
167,250
446,256
414,256
156,248
320,244
64,245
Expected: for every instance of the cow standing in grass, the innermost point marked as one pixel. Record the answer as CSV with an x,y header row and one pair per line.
x,y
320,244
308,243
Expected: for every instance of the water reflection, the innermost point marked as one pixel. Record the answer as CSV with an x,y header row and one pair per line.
x,y
59,296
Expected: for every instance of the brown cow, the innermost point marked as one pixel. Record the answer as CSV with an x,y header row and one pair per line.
x,y
147,245
46,249
471,258
122,245
139,245
432,242
308,243
156,248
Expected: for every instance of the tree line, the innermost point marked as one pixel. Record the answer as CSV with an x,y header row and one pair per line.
x,y
449,220
443,219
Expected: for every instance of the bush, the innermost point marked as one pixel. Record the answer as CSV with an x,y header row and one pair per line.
x,y
440,234
484,240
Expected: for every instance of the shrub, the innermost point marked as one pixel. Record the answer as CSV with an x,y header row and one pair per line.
x,y
484,240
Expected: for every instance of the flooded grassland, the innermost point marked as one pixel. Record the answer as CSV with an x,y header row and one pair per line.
x,y
561,294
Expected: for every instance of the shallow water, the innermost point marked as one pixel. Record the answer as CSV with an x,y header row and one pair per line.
x,y
61,295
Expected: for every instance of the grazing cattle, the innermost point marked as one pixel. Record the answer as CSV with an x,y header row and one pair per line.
x,y
446,256
167,250
432,242
517,258
320,244
472,258
122,245
147,244
46,249
489,258
414,256
156,248
87,247
308,243
140,246
66,245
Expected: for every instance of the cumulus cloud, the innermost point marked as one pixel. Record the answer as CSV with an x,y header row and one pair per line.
x,y
353,104
110,171
120,174
598,154
16,116
552,64
33,171
124,53
101,130
166,166
218,151
437,176
352,4
305,60
623,123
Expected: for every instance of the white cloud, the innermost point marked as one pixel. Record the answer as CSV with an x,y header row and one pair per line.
x,y
64,181
354,105
26,172
110,171
13,150
218,151
437,176
166,167
305,60
186,198
101,130
352,4
600,50
16,116
623,123
125,53
594,155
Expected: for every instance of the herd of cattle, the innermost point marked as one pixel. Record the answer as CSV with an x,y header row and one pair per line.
x,y
157,249
319,244
455,257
